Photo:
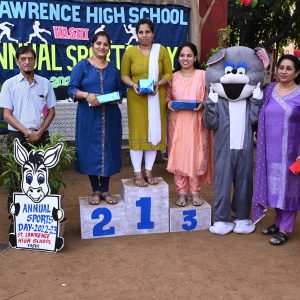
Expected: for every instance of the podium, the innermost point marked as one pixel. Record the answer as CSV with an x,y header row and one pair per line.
x,y
102,220
146,208
190,217
141,210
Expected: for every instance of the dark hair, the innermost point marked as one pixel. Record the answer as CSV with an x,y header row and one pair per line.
x,y
193,47
25,49
100,33
296,63
144,21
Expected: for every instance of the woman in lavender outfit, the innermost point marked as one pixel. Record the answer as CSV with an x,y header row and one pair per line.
x,y
278,147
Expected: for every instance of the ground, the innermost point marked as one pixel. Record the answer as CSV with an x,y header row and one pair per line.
x,y
188,265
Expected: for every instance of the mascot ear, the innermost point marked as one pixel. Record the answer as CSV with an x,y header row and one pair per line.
x,y
217,57
263,55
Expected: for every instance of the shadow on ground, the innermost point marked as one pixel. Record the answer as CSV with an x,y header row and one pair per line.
x,y
189,265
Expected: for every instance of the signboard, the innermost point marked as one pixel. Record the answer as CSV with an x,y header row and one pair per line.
x,y
35,227
60,32
36,213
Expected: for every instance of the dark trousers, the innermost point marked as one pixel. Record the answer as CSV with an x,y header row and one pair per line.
x,y
12,135
99,183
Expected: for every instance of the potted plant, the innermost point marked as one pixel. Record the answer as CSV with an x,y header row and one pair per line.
x,y
10,171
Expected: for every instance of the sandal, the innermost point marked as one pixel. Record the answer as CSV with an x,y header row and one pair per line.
x,y
279,239
95,198
270,230
197,200
139,180
182,200
108,198
150,179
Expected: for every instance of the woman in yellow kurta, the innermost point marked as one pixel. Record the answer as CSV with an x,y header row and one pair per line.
x,y
188,140
135,66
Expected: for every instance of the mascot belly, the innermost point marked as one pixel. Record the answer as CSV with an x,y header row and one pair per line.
x,y
233,77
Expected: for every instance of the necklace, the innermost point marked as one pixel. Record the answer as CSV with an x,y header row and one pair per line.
x,y
102,65
285,89
187,75
145,50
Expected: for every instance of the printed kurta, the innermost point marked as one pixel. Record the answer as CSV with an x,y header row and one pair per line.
x,y
135,65
98,129
187,137
278,145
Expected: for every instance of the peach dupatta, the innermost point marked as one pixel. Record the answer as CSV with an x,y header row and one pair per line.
x,y
188,139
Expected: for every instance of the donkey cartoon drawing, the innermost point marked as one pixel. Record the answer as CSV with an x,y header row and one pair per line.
x,y
35,165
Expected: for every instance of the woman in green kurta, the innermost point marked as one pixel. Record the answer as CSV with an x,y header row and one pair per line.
x,y
135,66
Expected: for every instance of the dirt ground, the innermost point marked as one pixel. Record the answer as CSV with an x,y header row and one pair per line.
x,y
188,265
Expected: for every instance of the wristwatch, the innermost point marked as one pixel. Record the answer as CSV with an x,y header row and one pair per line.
x,y
28,132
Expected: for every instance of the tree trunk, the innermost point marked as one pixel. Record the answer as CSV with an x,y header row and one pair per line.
x,y
202,23
194,21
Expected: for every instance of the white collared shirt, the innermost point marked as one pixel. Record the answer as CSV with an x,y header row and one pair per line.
x,y
27,101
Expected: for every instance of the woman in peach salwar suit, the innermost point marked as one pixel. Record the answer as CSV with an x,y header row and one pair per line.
x,y
188,139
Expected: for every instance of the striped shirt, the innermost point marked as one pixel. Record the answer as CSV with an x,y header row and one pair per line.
x,y
27,101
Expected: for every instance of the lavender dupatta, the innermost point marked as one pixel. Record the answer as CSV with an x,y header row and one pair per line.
x,y
260,196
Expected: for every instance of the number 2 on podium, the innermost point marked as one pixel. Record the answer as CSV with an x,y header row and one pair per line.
x,y
98,228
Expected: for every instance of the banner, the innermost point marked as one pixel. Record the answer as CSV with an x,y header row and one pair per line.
x,y
60,32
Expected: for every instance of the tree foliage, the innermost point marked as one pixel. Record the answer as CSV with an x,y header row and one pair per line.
x,y
270,22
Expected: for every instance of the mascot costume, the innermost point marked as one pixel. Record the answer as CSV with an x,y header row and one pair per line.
x,y
233,77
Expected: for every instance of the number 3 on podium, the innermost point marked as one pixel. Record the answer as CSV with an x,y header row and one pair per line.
x,y
189,216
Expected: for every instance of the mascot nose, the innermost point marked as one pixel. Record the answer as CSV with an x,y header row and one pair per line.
x,y
234,71
31,190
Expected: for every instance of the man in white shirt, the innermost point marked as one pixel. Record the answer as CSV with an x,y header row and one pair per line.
x,y
28,101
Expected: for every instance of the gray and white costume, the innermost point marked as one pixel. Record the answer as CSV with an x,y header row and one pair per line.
x,y
231,109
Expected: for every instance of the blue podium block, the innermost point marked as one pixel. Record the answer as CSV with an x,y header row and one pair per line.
x,y
190,217
103,220
146,208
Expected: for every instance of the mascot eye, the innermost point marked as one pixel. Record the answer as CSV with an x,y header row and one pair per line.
x,y
28,179
228,69
41,179
241,70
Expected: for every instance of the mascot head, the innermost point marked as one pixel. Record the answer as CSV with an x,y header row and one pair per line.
x,y
234,72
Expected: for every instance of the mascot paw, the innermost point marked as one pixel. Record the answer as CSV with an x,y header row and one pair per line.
x,y
214,97
221,228
243,226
